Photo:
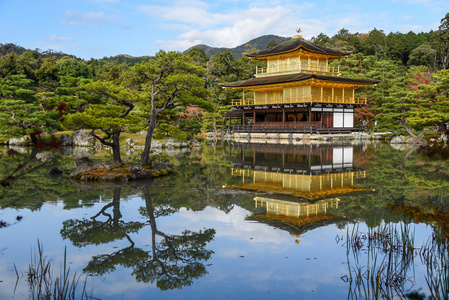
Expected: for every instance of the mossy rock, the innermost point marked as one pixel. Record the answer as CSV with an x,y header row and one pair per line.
x,y
118,172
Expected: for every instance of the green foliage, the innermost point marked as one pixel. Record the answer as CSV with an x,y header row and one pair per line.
x,y
9,65
20,111
395,110
127,60
322,39
114,115
69,66
422,55
10,47
105,117
432,101
170,80
48,73
110,71
440,42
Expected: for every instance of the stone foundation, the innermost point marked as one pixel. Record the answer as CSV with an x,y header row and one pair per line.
x,y
299,138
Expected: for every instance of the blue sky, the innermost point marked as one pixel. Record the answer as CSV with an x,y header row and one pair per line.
x,y
98,28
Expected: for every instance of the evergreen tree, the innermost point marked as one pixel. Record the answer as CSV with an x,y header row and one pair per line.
x,y
48,74
432,102
112,117
440,42
20,111
169,80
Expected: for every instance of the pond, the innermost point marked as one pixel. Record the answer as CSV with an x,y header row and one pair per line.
x,y
236,221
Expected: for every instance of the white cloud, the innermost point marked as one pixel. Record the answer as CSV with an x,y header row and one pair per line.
x,y
233,226
228,30
55,38
79,19
226,23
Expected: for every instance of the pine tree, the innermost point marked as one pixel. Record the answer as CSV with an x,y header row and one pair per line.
x,y
20,111
112,117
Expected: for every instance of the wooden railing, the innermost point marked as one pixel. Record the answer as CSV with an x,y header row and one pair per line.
x,y
315,99
289,127
283,68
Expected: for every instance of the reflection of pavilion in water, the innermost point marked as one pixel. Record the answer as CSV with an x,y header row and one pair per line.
x,y
308,171
301,181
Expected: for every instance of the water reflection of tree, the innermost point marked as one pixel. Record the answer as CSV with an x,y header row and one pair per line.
x,y
175,260
395,174
92,231
36,187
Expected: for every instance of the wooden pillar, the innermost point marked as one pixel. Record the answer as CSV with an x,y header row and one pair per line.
x,y
244,97
321,94
343,94
243,119
283,116
254,116
310,116
321,119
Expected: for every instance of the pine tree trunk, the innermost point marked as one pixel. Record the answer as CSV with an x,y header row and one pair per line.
x,y
116,206
144,159
150,213
116,148
408,130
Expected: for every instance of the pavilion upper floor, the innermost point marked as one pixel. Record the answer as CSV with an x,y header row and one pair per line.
x,y
297,56
298,88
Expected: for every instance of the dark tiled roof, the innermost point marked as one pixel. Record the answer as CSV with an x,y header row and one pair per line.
x,y
295,44
292,78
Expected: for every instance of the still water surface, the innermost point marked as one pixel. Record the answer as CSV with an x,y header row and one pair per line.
x,y
234,221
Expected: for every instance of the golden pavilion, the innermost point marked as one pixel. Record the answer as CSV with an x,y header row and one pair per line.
x,y
296,92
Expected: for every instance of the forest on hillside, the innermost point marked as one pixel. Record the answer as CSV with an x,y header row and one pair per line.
x,y
47,91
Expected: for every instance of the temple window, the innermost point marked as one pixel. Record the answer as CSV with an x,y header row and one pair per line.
x,y
273,68
322,68
304,65
293,66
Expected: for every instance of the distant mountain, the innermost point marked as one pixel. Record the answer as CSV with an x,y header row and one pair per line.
x,y
10,47
259,43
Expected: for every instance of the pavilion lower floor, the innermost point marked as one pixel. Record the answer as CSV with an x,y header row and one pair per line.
x,y
292,120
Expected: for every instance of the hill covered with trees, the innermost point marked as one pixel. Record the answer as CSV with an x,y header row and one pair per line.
x,y
258,43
